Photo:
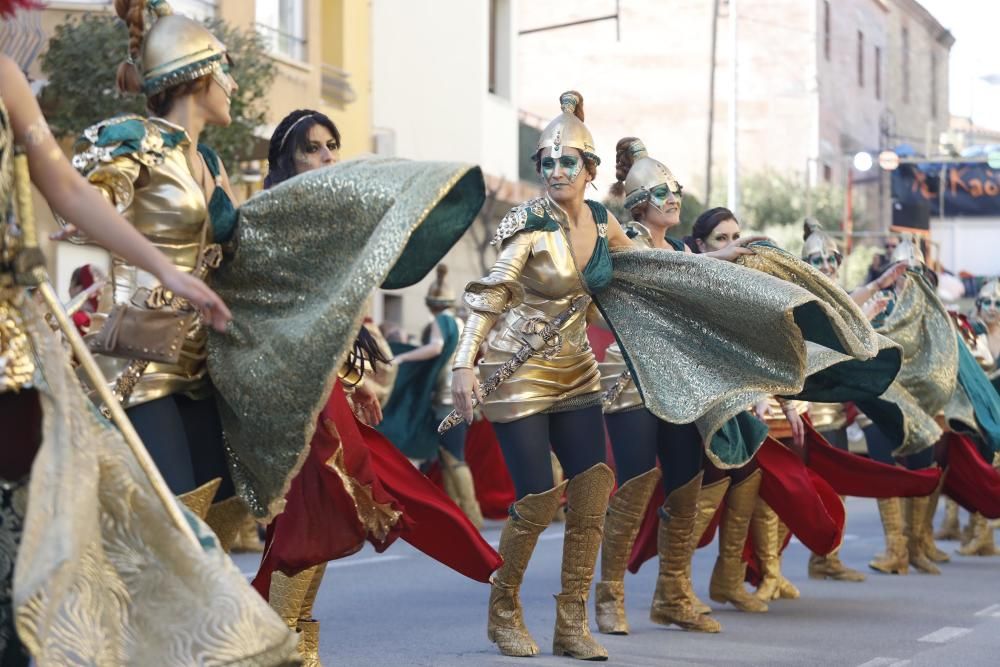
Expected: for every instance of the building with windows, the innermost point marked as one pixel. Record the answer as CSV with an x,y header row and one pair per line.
x,y
817,80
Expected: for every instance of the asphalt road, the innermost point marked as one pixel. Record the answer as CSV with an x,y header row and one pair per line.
x,y
401,608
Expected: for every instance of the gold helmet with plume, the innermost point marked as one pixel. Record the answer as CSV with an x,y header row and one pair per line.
x,y
567,130
439,294
817,241
645,175
177,49
991,290
908,251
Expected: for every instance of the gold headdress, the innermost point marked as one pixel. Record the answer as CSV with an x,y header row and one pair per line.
x,y
567,130
817,241
439,294
177,49
990,290
645,175
908,251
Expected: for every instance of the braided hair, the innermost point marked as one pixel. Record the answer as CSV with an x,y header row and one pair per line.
x,y
291,135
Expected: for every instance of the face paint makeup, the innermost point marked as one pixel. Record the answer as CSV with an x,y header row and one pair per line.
x,y
570,164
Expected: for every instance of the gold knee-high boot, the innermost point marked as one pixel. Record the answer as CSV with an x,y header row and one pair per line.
x,y
983,542
621,524
916,523
831,567
950,529
786,589
676,542
287,594
459,486
529,516
709,499
247,538
225,519
586,505
931,549
200,499
309,626
895,559
764,531
730,570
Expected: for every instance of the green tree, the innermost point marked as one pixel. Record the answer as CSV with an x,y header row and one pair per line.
x,y
82,60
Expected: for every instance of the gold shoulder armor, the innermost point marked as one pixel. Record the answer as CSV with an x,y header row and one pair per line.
x,y
517,218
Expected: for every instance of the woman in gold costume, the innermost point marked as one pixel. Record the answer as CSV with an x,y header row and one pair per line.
x,y
653,198
89,534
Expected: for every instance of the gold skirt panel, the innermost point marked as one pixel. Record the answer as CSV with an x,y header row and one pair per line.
x,y
611,369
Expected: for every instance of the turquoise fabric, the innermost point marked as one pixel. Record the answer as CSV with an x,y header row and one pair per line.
x,y
129,134
982,394
408,420
676,244
739,438
221,211
597,274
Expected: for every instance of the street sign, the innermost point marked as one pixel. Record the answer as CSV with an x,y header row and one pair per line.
x,y
993,160
888,160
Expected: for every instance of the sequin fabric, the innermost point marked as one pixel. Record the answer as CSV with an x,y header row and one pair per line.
x,y
310,252
103,577
13,503
705,339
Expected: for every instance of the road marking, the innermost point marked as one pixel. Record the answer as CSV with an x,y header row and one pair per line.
x,y
885,662
945,634
365,561
993,610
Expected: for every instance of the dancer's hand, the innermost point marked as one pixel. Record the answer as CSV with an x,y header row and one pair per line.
x,y
366,405
798,427
464,388
730,253
889,277
763,410
212,308
874,307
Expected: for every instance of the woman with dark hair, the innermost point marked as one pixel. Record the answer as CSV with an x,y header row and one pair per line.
x,y
366,488
713,230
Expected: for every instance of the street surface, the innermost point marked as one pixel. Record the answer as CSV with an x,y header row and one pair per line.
x,y
401,608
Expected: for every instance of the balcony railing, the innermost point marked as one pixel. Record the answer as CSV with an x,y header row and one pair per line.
x,y
283,43
336,89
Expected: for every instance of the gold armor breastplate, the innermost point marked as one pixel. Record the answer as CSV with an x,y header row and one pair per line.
x,y
168,207
569,371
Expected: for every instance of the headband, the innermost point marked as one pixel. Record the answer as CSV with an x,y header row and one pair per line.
x,y
291,127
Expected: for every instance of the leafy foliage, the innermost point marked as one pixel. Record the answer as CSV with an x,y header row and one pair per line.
x,y
82,60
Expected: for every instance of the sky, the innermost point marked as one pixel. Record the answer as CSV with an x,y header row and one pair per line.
x,y
976,53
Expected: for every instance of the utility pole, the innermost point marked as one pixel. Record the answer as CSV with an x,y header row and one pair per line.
x,y
711,102
733,197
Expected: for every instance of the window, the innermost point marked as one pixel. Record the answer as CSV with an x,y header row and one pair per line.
x,y
861,59
934,85
826,28
282,24
878,73
196,9
906,65
827,173
500,48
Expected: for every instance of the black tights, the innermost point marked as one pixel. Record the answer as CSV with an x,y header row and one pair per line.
x,y
880,449
576,437
453,440
184,438
638,438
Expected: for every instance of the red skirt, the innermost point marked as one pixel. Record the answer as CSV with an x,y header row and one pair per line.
x,y
356,486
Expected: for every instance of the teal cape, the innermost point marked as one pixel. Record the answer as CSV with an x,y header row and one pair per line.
x,y
408,420
982,394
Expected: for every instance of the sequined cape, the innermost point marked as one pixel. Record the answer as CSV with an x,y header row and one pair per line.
x,y
103,577
705,339
927,380
309,253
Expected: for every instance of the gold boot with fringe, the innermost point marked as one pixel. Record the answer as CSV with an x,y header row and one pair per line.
x,y
983,542
200,499
709,499
726,584
459,486
676,542
916,523
621,524
529,516
586,505
896,558
225,518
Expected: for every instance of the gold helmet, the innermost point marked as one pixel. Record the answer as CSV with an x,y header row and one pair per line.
x,y
817,241
645,175
439,294
567,130
991,290
176,50
908,251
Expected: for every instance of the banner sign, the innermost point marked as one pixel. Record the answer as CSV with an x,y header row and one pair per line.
x,y
970,189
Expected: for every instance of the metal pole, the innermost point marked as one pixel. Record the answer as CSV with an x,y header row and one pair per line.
x,y
809,199
94,375
733,197
711,101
